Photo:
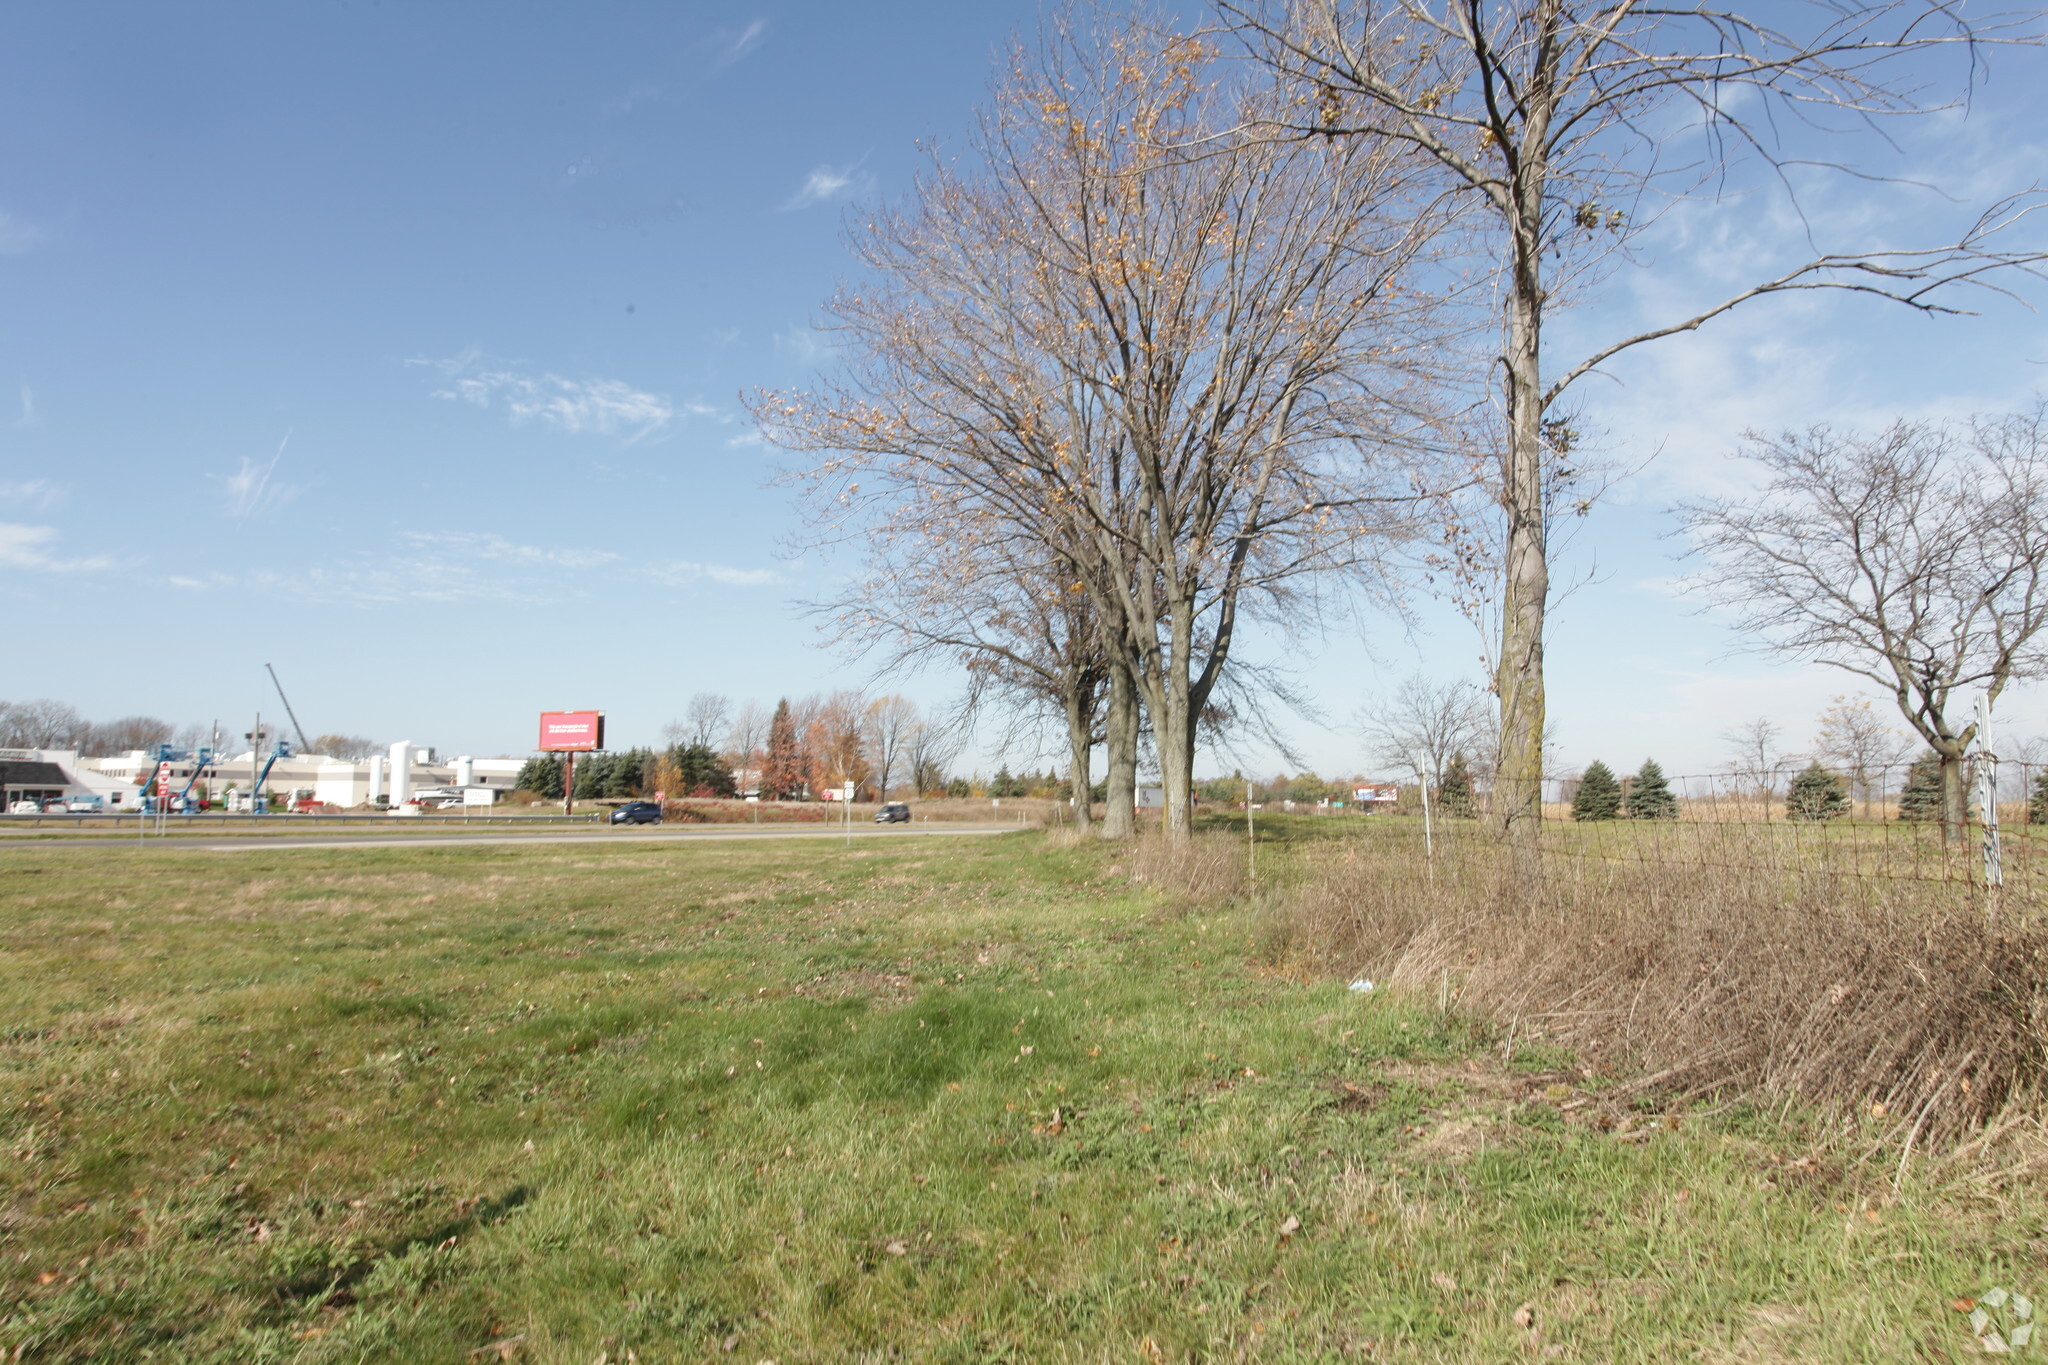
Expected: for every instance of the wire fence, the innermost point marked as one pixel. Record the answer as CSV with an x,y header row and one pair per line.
x,y
1878,822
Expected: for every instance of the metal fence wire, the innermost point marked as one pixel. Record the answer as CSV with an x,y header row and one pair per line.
x,y
1877,823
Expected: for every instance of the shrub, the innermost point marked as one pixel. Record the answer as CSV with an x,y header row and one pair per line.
x,y
2037,804
1921,799
1598,796
1816,794
1454,793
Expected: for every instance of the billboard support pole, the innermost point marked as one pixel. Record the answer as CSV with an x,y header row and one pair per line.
x,y
569,783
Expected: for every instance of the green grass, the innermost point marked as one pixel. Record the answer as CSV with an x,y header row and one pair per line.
x,y
980,1101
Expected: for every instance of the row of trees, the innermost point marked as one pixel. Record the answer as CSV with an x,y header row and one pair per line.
x,y
884,746
1209,326
48,724
1814,793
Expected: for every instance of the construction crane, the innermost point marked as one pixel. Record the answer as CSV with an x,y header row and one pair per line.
x,y
300,730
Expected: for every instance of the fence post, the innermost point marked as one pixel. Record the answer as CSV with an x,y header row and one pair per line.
x,y
1987,779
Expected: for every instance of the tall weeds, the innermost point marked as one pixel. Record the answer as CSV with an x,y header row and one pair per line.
x,y
1779,979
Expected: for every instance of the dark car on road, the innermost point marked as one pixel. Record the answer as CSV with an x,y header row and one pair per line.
x,y
895,813
637,813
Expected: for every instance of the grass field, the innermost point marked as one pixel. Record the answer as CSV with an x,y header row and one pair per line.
x,y
991,1100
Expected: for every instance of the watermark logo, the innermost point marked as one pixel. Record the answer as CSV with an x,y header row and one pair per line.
x,y
2002,1321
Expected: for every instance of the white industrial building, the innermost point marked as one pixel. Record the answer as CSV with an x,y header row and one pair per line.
x,y
392,779
55,775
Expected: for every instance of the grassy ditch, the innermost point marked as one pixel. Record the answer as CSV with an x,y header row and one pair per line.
x,y
1007,1100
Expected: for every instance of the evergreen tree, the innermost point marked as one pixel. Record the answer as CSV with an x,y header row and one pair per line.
x,y
2037,804
782,766
542,775
627,776
1598,796
1002,784
593,774
1816,794
702,772
1649,795
1454,793
1921,799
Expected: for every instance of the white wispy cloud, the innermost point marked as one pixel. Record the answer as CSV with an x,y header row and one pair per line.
x,y
17,234
40,494
634,96
826,183
456,567
251,488
732,45
575,406
29,416
679,572
28,547
486,546
800,344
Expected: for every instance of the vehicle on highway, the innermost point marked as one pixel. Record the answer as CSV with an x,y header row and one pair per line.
x,y
637,813
895,813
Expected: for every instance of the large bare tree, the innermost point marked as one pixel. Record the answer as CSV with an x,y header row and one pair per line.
x,y
1178,353
1424,724
1563,127
1915,557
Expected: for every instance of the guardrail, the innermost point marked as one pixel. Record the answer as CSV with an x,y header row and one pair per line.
x,y
203,819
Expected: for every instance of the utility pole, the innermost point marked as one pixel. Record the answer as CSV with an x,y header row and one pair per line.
x,y
256,766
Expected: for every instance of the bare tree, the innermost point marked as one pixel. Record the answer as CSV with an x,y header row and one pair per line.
x,y
890,721
124,735
353,748
1555,124
1915,557
1853,737
931,746
42,724
1182,355
1759,759
743,740
707,716
1427,723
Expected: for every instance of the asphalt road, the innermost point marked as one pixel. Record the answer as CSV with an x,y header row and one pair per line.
x,y
635,834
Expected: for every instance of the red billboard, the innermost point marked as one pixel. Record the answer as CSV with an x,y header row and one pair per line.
x,y
571,731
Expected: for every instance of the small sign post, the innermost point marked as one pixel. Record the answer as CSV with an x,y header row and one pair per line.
x,y
163,796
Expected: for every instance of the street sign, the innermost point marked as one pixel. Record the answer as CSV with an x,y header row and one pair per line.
x,y
163,779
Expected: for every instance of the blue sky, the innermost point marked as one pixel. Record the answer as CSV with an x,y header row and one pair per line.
x,y
403,347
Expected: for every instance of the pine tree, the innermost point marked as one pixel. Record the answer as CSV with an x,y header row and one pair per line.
x,y
1816,794
1001,783
781,767
1454,793
1598,796
1649,795
700,771
542,776
1921,799
2037,804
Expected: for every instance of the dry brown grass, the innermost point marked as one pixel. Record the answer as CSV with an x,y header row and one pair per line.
x,y
1906,1002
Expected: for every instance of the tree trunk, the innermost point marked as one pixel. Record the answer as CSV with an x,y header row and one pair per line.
x,y
1955,799
1119,816
1525,587
1169,698
1080,746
